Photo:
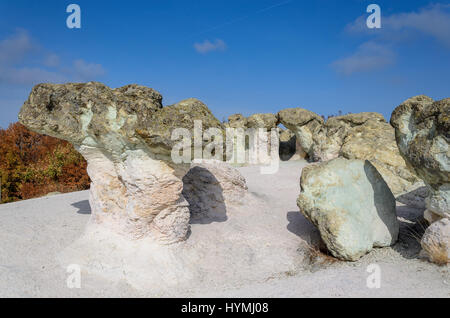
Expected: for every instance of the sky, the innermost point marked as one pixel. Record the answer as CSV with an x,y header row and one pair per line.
x,y
237,56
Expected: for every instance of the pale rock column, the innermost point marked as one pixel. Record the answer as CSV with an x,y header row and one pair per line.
x,y
125,136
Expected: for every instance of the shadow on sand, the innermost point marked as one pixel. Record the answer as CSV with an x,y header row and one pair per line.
x,y
83,207
205,196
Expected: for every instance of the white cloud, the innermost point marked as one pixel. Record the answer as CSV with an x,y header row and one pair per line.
x,y
369,56
431,21
19,67
15,47
207,46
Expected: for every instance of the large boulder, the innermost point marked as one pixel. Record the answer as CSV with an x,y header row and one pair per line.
x,y
350,204
374,140
365,136
125,136
422,131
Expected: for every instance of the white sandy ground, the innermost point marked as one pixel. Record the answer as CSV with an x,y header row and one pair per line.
x,y
258,250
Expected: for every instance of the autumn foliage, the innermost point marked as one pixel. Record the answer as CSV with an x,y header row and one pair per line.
x,y
33,165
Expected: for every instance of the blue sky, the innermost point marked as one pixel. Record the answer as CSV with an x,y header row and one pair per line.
x,y
242,56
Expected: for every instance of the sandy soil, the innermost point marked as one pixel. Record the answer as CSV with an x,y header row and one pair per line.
x,y
256,250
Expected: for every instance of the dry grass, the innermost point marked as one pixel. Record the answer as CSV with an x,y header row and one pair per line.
x,y
416,231
319,255
437,253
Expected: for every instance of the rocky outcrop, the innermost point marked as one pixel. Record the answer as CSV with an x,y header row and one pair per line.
x,y
125,136
374,140
255,145
422,131
265,121
350,204
261,146
308,128
236,121
290,148
365,136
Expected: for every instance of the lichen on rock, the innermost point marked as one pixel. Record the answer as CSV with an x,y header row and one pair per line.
x,y
350,204
125,136
365,136
422,131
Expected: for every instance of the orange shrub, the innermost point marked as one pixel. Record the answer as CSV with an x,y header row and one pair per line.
x,y
32,165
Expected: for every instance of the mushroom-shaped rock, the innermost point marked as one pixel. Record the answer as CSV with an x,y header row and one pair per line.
x,y
350,204
125,136
422,130
308,128
365,136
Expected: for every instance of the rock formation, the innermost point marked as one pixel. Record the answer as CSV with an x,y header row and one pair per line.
x,y
265,121
350,204
210,186
261,143
308,128
125,136
365,136
290,148
256,145
422,131
236,121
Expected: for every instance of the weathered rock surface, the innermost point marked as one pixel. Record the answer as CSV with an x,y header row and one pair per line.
x,y
255,145
125,136
307,126
236,121
350,204
436,241
290,148
210,186
266,121
374,140
365,136
422,131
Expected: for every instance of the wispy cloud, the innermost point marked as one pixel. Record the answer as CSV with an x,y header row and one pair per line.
x,y
87,71
24,62
15,47
208,46
368,57
432,21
